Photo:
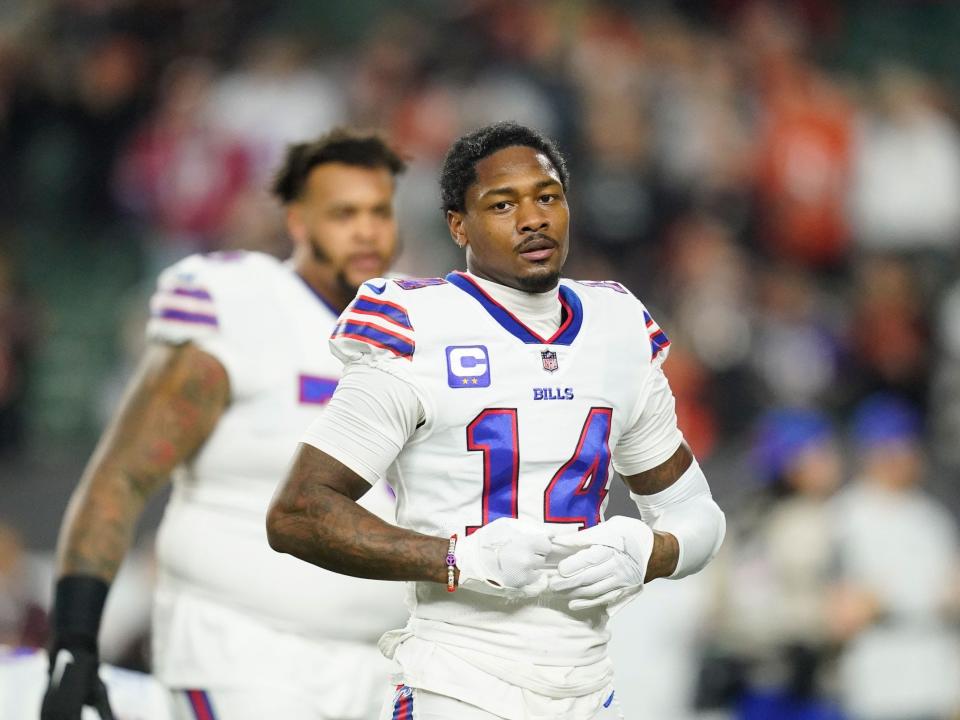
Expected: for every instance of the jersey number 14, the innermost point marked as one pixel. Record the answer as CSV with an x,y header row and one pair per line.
x,y
576,492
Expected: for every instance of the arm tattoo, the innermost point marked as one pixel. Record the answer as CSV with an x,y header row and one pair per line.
x,y
315,517
169,410
658,479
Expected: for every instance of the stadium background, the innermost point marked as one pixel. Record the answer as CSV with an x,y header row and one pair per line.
x,y
780,182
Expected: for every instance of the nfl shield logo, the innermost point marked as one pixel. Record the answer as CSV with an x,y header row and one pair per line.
x,y
549,360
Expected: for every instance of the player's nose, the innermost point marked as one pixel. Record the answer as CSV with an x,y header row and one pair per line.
x,y
531,219
365,229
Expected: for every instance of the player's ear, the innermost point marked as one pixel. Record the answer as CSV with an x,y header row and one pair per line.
x,y
455,224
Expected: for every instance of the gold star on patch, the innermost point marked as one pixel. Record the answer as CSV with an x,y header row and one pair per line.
x,y
474,381
465,381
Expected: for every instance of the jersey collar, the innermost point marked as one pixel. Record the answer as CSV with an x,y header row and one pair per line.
x,y
320,298
572,313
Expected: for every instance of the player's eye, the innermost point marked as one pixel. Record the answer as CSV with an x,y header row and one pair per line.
x,y
547,198
501,206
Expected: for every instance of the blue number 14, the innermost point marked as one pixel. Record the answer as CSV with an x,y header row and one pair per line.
x,y
576,491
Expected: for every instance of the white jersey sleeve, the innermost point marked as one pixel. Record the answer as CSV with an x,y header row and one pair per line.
x,y
376,407
652,436
369,419
183,307
206,300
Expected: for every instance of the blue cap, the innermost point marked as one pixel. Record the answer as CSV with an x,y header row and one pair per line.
x,y
884,418
783,435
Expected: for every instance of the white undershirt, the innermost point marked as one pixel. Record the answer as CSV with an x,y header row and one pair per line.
x,y
538,311
373,413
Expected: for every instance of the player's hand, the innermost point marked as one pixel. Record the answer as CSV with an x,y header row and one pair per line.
x,y
74,683
607,565
505,558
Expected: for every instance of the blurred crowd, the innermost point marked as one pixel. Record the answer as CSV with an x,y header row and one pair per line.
x,y
836,600
793,223
774,179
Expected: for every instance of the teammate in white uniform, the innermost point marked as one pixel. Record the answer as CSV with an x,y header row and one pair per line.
x,y
503,398
238,366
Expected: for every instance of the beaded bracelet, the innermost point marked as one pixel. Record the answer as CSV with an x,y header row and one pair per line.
x,y
451,563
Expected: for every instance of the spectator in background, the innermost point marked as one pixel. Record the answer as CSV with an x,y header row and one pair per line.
x,y
770,639
803,154
388,67
275,97
69,109
796,353
615,206
906,177
898,556
182,173
889,333
707,276
701,145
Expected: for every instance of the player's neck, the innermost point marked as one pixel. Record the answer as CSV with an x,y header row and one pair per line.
x,y
527,305
328,289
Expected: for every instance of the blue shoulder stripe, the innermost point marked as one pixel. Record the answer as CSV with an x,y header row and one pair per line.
x,y
658,338
382,308
378,337
187,317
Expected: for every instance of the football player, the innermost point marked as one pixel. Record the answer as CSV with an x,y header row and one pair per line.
x,y
237,366
505,396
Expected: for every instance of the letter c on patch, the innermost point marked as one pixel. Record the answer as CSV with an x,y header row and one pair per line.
x,y
468,366
468,362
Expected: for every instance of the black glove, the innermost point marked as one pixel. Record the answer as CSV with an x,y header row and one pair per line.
x,y
73,683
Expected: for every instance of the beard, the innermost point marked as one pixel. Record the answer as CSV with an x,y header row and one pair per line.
x,y
539,283
340,277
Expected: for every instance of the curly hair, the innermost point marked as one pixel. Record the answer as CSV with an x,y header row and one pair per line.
x,y
459,170
343,145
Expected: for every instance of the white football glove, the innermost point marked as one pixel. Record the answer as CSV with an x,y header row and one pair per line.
x,y
505,558
608,564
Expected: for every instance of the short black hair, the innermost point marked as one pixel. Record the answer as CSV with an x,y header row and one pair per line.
x,y
460,165
343,145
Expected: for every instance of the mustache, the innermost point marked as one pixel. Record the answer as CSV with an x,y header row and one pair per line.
x,y
536,241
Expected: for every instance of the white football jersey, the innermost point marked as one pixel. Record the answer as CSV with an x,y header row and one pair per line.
x,y
221,587
515,425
